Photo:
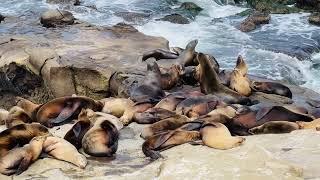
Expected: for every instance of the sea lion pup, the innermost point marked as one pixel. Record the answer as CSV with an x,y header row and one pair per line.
x,y
217,135
240,83
167,124
246,120
63,150
210,84
116,106
166,140
17,116
274,127
3,116
152,115
20,135
101,139
159,54
28,106
19,159
309,125
170,77
149,90
271,88
62,109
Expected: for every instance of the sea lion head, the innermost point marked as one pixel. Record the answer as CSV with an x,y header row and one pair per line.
x,y
192,44
241,65
256,86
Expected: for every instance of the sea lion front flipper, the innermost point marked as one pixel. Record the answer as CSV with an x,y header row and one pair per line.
x,y
24,164
66,113
263,112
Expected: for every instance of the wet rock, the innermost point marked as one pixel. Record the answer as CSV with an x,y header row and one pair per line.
x,y
74,2
254,20
53,18
190,8
273,6
314,19
133,16
309,4
1,18
175,18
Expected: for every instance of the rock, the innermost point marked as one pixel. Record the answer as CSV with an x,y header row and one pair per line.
x,y
314,19
255,19
1,18
53,18
309,4
175,18
74,2
190,8
273,6
133,16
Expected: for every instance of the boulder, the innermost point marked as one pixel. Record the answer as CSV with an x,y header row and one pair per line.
x,y
134,17
314,19
254,20
273,6
190,8
74,2
313,5
53,18
175,18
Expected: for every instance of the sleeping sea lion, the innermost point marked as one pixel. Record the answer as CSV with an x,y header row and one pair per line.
x,y
271,88
159,54
17,116
152,115
116,106
63,150
28,106
309,125
240,83
19,159
62,109
217,135
76,133
210,83
20,135
167,124
129,114
3,116
274,127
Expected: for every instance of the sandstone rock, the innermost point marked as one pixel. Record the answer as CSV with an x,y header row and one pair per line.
x,y
175,18
255,19
314,19
53,18
74,2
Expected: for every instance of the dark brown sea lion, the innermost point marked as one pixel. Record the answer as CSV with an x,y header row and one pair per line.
x,y
101,139
159,54
152,115
19,159
274,127
20,135
149,90
170,77
248,119
240,83
76,133
166,140
210,83
116,106
63,150
272,88
62,109
17,116
167,124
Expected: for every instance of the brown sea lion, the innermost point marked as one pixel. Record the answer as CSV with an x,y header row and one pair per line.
x,y
62,109
28,106
63,150
187,56
17,116
101,139
228,111
176,50
20,135
167,124
76,133
271,88
274,127
152,115
166,140
159,54
129,114
225,77
3,116
19,159
170,77
116,106
241,66
309,125
217,135
210,84
240,83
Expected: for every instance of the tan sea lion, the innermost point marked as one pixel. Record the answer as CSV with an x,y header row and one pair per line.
x,y
309,125
271,88
228,111
241,66
19,159
274,127
167,124
17,116
152,115
116,106
159,54
3,116
62,109
217,135
240,83
63,150
20,135
28,106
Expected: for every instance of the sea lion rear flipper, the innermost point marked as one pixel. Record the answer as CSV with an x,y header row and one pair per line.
x,y
24,164
66,113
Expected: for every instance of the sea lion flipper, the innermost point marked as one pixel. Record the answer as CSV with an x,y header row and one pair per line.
x,y
196,143
66,113
76,129
24,164
262,112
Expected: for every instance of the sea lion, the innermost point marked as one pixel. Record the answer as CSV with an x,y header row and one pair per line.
x,y
274,127
20,135
241,65
210,84
62,109
228,111
76,133
170,123
170,77
190,76
166,140
116,106
152,115
149,90
309,125
63,150
159,54
101,139
217,135
240,83
187,56
17,116
271,88
28,106
225,77
3,116
19,159
176,50
129,114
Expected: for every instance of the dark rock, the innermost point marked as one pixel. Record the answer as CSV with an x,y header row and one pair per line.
x,y
53,18
1,18
255,19
175,18
74,2
190,8
309,4
314,19
132,16
273,6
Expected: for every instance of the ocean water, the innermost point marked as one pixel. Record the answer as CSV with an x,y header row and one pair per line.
x,y
287,49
